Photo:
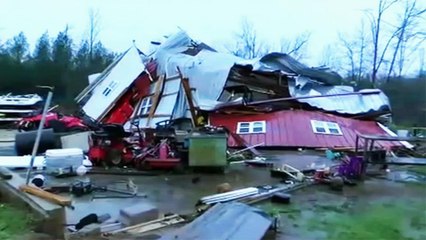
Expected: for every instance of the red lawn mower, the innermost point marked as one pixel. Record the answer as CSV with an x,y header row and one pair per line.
x,y
59,123
112,145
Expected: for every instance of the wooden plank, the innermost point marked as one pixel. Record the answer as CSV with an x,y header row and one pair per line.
x,y
155,99
62,201
189,98
243,143
187,89
155,226
141,225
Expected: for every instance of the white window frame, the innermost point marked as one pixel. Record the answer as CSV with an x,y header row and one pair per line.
x,y
326,126
111,86
146,105
250,127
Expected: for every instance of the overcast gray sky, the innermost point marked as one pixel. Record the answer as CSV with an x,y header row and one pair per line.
x,y
213,22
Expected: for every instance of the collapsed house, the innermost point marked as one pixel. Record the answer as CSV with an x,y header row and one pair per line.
x,y
273,101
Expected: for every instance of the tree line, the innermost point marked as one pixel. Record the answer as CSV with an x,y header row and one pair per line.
x,y
377,55
57,62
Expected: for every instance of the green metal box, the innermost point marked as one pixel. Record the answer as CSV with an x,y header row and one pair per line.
x,y
207,150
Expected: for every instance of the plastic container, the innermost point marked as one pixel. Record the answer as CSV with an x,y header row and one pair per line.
x,y
59,161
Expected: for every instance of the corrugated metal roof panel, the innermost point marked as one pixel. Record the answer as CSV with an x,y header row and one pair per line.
x,y
365,102
292,128
225,221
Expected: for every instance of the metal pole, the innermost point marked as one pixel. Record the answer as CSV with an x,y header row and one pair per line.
x,y
311,97
40,129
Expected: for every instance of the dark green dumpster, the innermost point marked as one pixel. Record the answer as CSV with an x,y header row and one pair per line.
x,y
207,150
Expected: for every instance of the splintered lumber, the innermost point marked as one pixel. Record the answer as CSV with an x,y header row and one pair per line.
x,y
189,98
51,197
156,98
244,143
151,225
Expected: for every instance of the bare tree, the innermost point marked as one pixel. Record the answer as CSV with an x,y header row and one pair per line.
x,y
406,34
296,47
247,43
354,52
350,54
376,22
94,29
330,57
362,43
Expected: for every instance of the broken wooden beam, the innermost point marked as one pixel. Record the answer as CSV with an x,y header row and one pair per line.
x,y
54,198
151,225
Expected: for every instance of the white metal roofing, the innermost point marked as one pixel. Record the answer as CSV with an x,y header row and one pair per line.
x,y
350,104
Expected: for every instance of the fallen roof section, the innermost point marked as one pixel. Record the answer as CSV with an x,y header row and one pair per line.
x,y
339,98
283,62
225,221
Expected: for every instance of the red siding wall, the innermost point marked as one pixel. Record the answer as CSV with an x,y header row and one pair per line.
x,y
292,128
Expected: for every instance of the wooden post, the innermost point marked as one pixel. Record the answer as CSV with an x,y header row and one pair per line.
x,y
187,89
364,159
155,98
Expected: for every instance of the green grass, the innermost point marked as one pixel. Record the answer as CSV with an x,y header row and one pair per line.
x,y
379,221
13,222
418,169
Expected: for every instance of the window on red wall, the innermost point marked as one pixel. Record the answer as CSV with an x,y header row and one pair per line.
x,y
323,127
251,127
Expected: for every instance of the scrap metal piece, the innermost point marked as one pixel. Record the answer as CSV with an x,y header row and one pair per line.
x,y
225,221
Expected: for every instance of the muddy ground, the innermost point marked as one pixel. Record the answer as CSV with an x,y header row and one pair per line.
x,y
389,208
